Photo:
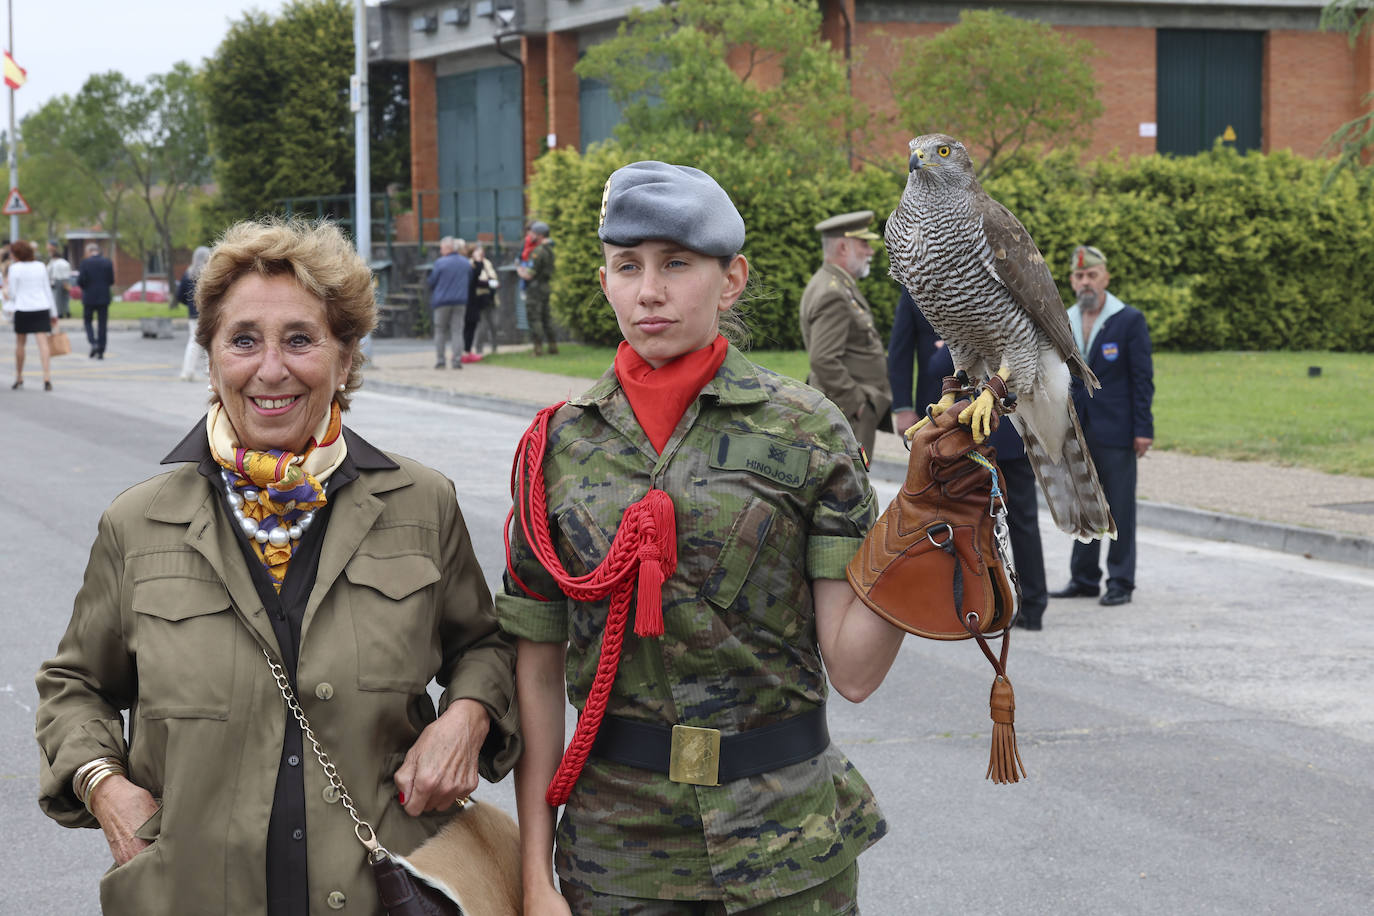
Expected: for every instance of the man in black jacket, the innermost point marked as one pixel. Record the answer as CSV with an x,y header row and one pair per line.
x,y
95,278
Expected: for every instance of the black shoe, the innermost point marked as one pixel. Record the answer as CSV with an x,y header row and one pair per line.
x,y
1114,597
1027,623
94,351
47,386
1074,590
18,383
100,354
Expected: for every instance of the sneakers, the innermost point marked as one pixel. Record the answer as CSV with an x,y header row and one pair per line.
x,y
472,358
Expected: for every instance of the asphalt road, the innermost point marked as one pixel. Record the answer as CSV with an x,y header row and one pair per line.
x,y
1203,750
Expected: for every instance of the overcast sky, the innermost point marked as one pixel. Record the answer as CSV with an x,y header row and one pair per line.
x,y
61,43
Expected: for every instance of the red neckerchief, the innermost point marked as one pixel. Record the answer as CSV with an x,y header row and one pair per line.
x,y
659,397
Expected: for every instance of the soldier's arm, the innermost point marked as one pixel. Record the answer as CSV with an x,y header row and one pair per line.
x,y
830,320
539,689
857,645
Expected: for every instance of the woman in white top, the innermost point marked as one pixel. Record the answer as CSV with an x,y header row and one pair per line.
x,y
29,296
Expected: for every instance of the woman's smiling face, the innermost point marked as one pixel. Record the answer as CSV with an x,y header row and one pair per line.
x,y
668,299
274,363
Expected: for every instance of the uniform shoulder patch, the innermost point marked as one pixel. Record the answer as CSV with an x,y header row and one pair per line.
x,y
761,455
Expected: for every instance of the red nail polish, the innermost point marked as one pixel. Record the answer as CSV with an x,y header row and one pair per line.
x,y
401,797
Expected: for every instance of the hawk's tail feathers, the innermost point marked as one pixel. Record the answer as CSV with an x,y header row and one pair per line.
x,y
1069,482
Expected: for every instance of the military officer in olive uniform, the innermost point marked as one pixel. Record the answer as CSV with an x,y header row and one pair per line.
x,y
847,360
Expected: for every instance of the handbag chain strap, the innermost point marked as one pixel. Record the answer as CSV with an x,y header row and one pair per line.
x,y
361,828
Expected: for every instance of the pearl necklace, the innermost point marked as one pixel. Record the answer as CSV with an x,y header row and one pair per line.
x,y
278,536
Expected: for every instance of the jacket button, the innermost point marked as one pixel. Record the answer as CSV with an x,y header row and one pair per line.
x,y
336,900
293,760
331,795
324,690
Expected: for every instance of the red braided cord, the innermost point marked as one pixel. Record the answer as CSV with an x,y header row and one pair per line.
x,y
644,552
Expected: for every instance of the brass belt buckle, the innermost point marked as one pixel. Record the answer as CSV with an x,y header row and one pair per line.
x,y
695,756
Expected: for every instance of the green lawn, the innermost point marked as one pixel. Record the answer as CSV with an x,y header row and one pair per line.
x,y
1240,406
121,310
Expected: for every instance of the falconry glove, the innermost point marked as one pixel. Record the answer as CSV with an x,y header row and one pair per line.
x,y
938,562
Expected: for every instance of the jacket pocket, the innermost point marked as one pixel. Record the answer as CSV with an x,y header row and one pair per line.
x,y
184,639
393,609
582,537
751,577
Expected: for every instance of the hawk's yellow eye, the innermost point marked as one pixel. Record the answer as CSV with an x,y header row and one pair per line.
x,y
943,151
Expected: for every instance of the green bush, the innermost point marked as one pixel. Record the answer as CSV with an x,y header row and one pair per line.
x,y
1221,251
780,208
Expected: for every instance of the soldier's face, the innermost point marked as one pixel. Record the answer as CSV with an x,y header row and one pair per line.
x,y
668,299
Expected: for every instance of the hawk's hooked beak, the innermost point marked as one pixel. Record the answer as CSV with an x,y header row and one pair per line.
x,y
915,162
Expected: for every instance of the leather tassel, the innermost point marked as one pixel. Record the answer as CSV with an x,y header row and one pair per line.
x,y
1006,759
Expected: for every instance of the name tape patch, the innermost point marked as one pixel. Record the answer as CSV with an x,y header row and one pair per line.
x,y
768,458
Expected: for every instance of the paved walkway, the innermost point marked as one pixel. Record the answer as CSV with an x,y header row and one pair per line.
x,y
1327,516
1290,509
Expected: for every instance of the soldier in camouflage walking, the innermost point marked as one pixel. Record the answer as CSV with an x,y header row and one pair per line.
x,y
713,504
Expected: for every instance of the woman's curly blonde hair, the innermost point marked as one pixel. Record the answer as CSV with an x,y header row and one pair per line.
x,y
317,256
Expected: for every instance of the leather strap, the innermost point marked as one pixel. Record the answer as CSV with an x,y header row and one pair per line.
x,y
647,745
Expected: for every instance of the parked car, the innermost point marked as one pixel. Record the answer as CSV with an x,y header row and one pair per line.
x,y
146,291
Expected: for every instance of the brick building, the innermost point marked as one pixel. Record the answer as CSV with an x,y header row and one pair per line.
x,y
492,83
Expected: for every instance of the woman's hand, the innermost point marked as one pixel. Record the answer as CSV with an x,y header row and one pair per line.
x,y
122,807
545,901
441,767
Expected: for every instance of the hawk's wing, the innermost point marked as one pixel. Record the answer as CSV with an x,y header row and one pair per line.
x,y
1019,266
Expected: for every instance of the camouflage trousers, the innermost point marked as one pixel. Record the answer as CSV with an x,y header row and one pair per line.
x,y
538,318
838,896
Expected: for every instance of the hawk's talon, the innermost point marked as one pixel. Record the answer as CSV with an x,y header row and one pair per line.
x,y
978,416
932,411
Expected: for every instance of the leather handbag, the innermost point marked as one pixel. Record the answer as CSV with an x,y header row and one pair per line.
x,y
471,867
938,562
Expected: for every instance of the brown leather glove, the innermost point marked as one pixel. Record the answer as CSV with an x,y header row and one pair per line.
x,y
931,560
931,564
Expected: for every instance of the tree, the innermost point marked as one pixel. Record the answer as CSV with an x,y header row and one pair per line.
x,y
998,84
1354,139
71,161
277,103
751,72
156,132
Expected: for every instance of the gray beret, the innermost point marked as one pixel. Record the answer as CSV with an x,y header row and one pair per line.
x,y
675,203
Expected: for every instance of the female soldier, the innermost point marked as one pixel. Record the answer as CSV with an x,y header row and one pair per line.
x,y
701,778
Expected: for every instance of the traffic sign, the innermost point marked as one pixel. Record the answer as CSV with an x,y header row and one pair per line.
x,y
15,205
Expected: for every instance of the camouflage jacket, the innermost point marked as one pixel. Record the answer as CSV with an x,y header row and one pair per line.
x,y
541,272
769,493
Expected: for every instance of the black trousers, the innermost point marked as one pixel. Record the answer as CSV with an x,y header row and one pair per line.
x,y
1023,519
1116,468
96,336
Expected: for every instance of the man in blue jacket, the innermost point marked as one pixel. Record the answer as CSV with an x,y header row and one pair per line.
x,y
95,278
1117,420
448,299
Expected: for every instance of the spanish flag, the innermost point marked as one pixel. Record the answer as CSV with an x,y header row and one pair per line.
x,y
15,75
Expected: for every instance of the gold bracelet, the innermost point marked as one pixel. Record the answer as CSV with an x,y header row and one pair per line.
x,y
91,774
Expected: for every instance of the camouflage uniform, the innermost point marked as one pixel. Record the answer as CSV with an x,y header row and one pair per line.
x,y
537,295
770,494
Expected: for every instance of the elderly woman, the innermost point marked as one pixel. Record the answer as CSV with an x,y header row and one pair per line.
x,y
29,295
282,534
716,504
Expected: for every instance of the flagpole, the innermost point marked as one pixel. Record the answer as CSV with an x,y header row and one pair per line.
x,y
14,158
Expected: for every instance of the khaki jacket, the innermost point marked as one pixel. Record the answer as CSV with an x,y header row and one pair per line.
x,y
848,363
168,625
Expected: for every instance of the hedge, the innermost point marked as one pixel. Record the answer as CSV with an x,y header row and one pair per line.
x,y
1221,251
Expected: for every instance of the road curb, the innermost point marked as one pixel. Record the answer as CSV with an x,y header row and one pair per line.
x,y
1218,526
1313,543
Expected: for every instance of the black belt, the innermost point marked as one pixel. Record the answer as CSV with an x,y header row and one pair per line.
x,y
704,756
